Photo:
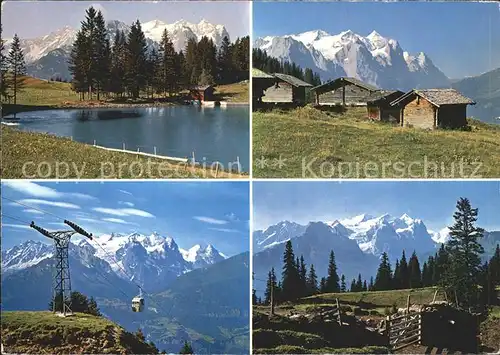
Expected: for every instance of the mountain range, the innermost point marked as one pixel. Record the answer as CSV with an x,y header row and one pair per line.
x,y
357,242
151,261
47,56
374,59
182,288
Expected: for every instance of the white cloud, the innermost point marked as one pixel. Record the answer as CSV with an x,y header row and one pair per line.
x,y
126,192
117,220
20,226
232,217
209,220
50,203
32,189
89,219
130,204
30,210
225,230
123,212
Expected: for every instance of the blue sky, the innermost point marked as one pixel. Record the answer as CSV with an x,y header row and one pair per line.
x,y
461,38
234,15
432,201
192,213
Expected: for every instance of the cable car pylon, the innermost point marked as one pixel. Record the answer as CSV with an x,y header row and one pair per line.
x,y
62,279
138,302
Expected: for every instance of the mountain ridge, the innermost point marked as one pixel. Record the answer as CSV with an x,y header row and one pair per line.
x,y
374,59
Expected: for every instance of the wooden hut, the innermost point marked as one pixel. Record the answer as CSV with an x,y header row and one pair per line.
x,y
260,82
379,105
203,93
287,89
343,91
433,108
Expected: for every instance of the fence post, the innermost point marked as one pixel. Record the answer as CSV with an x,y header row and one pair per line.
x,y
123,145
155,150
94,142
420,329
388,330
216,169
338,310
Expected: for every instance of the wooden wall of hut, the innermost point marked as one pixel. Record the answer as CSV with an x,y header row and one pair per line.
x,y
419,113
452,116
354,95
280,93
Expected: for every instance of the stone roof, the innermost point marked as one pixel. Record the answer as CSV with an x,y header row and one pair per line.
x,y
438,97
339,82
291,80
257,73
382,95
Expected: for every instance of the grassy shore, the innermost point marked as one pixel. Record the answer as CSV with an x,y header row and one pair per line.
x,y
46,95
309,143
38,155
46,333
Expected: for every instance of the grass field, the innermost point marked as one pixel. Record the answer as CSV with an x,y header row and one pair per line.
x,y
44,332
49,94
301,327
57,157
308,143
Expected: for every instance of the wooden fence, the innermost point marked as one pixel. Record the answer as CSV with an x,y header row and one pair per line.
x,y
404,330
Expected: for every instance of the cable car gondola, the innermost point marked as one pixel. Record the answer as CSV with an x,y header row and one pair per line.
x,y
138,302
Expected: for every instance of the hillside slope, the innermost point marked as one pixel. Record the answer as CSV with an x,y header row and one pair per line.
x,y
308,143
485,89
46,333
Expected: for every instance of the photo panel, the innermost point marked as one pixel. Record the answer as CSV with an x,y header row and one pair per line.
x,y
125,89
125,267
375,267
376,89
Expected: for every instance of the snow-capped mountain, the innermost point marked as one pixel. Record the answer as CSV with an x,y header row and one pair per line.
x,y
201,257
276,234
151,261
372,235
47,56
374,59
25,255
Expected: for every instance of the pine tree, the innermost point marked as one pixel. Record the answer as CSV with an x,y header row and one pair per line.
x,y
396,280
167,72
353,286
290,279
464,252
312,281
495,266
303,277
101,55
441,264
139,334
136,60
186,348
4,84
371,286
322,285
384,274
332,279
365,287
404,272
225,62
342,284
152,69
270,287
359,284
192,67
426,276
78,64
415,273
17,67
309,76
118,61
206,78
